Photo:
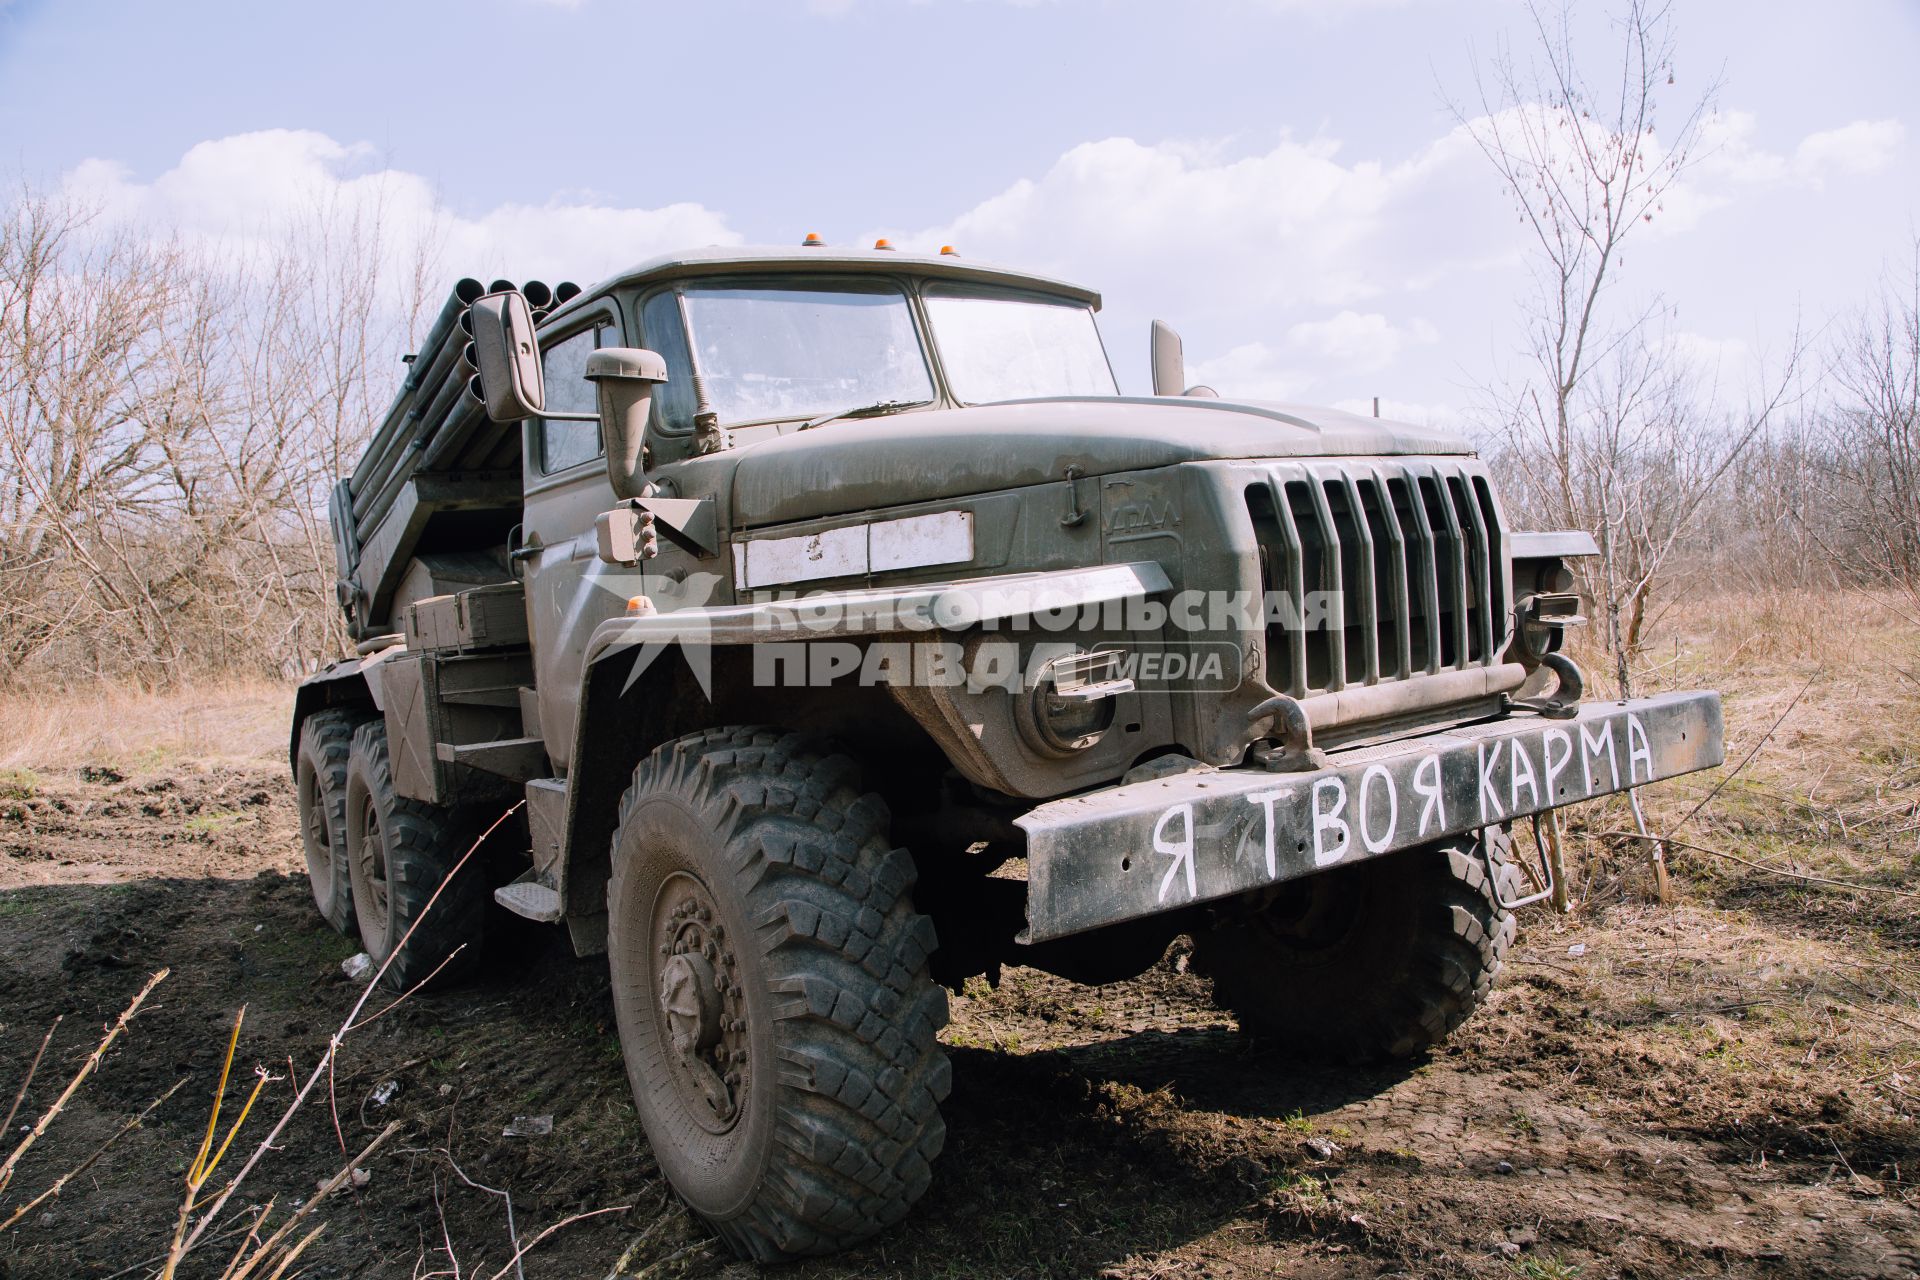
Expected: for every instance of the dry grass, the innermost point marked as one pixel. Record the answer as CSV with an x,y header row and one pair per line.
x,y
215,722
1822,775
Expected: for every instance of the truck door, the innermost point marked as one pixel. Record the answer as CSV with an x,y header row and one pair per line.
x,y
569,590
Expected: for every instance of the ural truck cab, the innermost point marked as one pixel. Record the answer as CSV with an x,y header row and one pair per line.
x,y
844,634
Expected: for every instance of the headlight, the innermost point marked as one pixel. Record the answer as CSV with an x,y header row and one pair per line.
x,y
1071,704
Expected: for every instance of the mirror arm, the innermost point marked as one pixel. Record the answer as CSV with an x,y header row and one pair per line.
x,y
569,417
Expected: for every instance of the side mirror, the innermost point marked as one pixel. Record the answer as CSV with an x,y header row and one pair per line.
x,y
508,358
1169,364
625,378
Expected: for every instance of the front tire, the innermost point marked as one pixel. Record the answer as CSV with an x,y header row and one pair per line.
x,y
771,988
400,851
1378,961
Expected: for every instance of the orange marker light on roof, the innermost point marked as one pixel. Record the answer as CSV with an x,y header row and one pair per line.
x,y
813,241
883,243
948,251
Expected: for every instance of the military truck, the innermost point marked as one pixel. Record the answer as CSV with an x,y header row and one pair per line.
x,y
842,633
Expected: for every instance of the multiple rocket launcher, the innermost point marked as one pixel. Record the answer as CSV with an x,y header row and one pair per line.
x,y
436,427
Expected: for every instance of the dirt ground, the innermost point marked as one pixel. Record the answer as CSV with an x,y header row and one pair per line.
x,y
1721,1087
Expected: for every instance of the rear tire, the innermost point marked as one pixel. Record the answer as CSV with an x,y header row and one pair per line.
x,y
400,851
1377,961
320,785
771,988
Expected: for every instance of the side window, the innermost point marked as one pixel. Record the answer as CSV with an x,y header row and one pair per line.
x,y
663,334
568,444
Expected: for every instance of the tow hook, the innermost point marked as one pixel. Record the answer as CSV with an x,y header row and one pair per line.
x,y
1294,752
1565,702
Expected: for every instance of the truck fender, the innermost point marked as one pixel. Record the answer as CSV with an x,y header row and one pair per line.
x,y
624,715
351,682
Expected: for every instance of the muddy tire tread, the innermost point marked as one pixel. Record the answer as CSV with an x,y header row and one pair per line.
x,y
1461,939
861,1070
424,842
326,737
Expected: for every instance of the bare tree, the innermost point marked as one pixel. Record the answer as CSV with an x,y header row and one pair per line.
x,y
170,424
1599,433
1872,441
95,418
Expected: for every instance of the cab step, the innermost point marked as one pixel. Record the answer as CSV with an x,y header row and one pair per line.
x,y
531,899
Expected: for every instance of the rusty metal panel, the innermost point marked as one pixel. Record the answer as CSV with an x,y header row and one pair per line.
x,y
1140,849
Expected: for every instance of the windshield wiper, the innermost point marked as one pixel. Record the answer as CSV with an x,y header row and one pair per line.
x,y
863,411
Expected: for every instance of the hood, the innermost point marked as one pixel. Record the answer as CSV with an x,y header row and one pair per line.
x,y
856,464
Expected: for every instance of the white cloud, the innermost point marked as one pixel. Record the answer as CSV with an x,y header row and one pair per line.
x,y
1731,163
1249,253
1357,341
242,191
1293,225
1865,146
1251,371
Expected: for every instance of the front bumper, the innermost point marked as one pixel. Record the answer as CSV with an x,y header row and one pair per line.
x,y
1147,847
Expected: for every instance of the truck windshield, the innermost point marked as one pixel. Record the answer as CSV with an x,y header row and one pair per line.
x,y
769,352
1005,346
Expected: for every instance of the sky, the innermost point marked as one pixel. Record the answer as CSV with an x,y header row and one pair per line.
x,y
1286,182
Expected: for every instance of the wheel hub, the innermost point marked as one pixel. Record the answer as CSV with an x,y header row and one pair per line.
x,y
373,859
701,1005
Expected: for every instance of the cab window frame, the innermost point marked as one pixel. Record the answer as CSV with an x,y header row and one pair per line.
x,y
604,323
932,288
907,286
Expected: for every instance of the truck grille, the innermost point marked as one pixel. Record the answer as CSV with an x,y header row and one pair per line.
x,y
1411,558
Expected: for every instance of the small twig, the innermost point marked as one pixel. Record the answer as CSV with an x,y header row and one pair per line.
x,y
327,1188
32,1067
446,1233
675,1256
61,1182
665,1216
1777,871
252,1239
1887,1071
1722,1008
402,997
333,1042
1885,1017
80,1076
1746,760
293,1254
1886,996
513,1263
513,1234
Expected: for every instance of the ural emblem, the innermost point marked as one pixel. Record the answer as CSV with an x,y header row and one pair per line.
x,y
1149,512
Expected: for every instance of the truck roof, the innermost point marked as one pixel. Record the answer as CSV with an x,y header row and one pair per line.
x,y
749,259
